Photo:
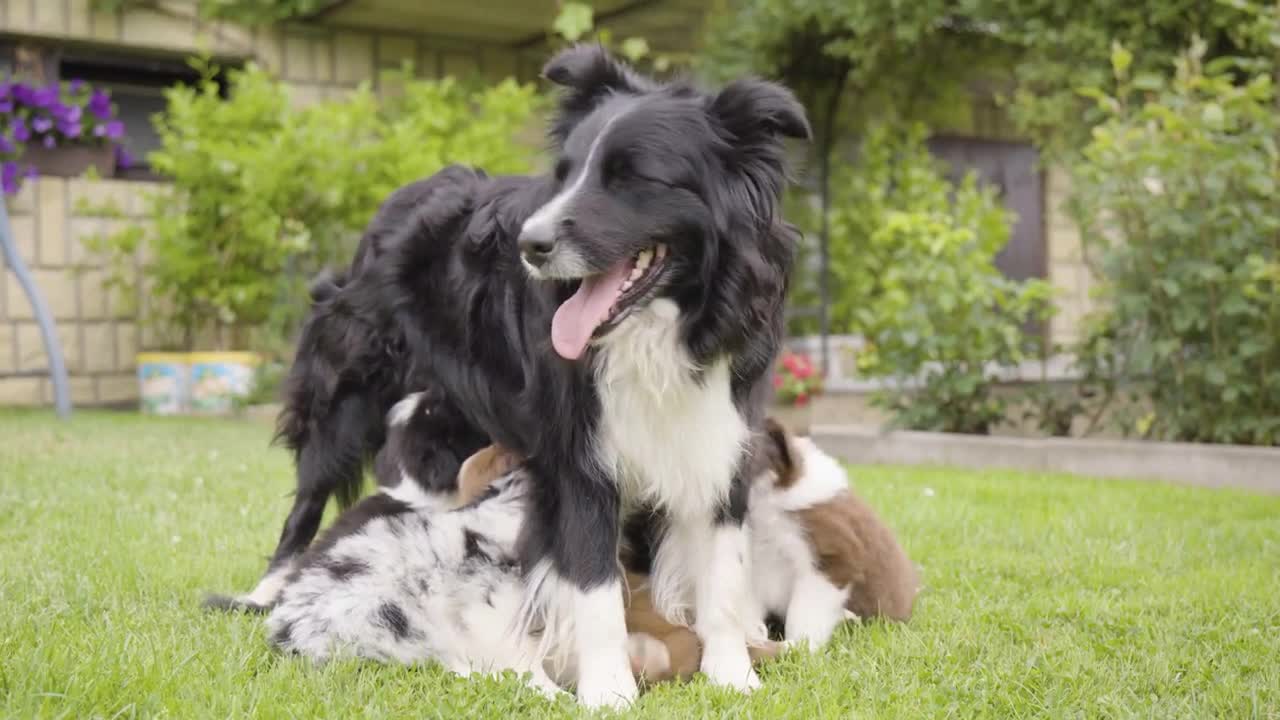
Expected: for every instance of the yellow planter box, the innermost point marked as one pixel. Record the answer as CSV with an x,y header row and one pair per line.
x,y
201,382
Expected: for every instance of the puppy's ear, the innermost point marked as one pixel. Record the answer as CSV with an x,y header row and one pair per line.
x,y
780,453
480,470
589,73
753,110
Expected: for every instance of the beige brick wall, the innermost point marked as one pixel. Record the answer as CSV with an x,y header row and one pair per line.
x,y
51,218
1067,270
98,333
305,55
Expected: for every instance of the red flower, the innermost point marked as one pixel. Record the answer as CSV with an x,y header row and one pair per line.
x,y
805,366
790,361
802,399
777,382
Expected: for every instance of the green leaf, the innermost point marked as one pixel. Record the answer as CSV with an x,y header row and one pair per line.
x,y
574,20
1121,59
1213,115
635,48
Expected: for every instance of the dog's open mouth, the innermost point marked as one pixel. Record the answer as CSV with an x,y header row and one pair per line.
x,y
603,300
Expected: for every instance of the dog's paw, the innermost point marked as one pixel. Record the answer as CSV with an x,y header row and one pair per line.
x,y
606,686
730,665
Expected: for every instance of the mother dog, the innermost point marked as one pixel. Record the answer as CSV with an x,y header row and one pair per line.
x,y
614,322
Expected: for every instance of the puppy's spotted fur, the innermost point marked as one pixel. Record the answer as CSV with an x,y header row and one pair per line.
x,y
402,581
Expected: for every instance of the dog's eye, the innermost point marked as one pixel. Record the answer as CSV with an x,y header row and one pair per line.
x,y
562,169
617,167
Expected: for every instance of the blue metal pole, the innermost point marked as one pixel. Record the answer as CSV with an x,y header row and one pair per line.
x,y
52,347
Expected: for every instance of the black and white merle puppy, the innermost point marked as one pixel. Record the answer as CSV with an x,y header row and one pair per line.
x,y
614,323
407,576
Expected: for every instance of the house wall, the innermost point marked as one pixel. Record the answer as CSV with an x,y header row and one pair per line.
x,y
318,63
1067,270
50,219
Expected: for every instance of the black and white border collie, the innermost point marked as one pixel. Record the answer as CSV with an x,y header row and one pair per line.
x,y
614,323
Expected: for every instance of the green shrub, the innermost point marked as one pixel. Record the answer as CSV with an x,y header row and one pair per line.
x,y
914,263
1179,202
263,195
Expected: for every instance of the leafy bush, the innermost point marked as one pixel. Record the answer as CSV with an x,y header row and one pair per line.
x,y
914,257
263,195
1179,202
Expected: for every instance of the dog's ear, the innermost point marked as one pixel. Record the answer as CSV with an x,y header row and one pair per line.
x,y
780,453
752,110
588,73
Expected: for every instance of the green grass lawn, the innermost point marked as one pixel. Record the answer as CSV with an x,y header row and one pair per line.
x,y
1046,596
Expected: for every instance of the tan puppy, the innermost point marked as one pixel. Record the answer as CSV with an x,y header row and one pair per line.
x,y
819,553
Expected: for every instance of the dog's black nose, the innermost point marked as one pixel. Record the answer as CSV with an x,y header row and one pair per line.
x,y
535,248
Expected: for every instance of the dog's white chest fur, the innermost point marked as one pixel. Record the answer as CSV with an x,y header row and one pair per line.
x,y
673,437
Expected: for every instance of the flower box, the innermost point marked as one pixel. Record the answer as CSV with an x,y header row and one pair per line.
x,y
71,160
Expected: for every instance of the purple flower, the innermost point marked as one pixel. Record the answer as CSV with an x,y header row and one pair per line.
x,y
75,85
6,105
70,129
23,94
123,159
44,97
99,130
20,131
5,89
41,124
66,113
50,142
115,129
100,104
5,145
9,177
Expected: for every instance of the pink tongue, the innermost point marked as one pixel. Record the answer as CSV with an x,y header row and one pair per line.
x,y
579,316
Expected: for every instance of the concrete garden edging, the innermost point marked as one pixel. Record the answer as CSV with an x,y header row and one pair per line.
x,y
1235,466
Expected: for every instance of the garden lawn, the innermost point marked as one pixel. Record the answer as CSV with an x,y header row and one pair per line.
x,y
1047,596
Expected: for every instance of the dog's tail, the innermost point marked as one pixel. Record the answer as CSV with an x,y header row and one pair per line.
x,y
227,603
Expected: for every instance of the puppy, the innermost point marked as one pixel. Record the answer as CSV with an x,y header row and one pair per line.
x,y
416,582
820,554
659,650
432,576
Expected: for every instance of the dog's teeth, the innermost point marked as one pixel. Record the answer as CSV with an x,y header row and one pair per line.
x,y
643,259
636,272
627,285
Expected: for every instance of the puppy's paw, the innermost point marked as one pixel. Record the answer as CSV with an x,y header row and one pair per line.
x,y
606,685
650,659
729,664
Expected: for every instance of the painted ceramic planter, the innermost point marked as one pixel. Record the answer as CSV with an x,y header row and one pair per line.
x,y
162,383
219,380
206,383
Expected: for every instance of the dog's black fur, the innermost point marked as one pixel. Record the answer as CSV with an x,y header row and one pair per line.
x,y
437,299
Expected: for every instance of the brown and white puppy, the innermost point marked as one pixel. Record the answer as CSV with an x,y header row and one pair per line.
x,y
659,650
819,553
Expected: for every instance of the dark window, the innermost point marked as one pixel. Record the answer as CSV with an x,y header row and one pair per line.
x,y
1012,168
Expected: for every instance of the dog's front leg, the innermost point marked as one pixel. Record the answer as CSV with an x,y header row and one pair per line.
x,y
579,586
722,596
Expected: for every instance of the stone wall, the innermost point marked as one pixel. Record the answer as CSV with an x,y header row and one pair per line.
x,y
48,217
318,62
1067,270
98,334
